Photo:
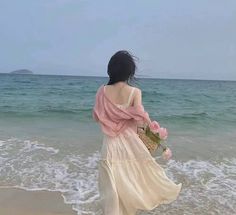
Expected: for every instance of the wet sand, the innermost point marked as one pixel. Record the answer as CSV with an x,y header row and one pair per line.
x,y
16,201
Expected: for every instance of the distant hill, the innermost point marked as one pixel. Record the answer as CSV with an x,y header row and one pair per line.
x,y
22,71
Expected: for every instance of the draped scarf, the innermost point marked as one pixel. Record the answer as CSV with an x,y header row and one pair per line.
x,y
113,119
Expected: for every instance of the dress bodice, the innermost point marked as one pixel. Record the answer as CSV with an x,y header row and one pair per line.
x,y
122,106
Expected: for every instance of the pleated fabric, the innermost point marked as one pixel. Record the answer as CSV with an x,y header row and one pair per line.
x,y
130,178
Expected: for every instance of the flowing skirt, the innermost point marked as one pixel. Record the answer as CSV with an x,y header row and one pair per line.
x,y
130,178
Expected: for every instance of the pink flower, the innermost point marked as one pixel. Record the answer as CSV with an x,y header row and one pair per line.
x,y
167,154
163,133
154,126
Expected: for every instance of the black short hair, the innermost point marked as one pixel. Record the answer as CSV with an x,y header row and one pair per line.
x,y
121,67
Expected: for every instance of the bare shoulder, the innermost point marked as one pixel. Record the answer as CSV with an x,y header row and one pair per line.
x,y
99,89
137,91
137,96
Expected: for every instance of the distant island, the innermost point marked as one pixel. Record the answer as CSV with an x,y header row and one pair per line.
x,y
22,71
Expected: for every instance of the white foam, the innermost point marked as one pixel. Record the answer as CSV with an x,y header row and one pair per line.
x,y
30,146
2,143
207,185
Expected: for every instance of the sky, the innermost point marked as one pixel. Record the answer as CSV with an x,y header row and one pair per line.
x,y
182,39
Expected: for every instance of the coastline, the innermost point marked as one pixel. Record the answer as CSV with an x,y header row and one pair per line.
x,y
18,201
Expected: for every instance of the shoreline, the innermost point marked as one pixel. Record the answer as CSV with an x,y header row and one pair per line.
x,y
18,201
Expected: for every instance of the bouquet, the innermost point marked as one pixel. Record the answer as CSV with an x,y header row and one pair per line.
x,y
157,135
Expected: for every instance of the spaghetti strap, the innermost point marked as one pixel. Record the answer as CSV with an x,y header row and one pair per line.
x,y
130,95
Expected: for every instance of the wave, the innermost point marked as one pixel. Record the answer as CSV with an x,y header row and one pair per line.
x,y
208,186
54,110
46,110
186,116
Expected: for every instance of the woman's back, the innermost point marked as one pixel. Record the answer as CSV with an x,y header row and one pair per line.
x,y
123,94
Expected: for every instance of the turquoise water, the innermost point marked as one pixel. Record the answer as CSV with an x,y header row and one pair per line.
x,y
48,139
180,103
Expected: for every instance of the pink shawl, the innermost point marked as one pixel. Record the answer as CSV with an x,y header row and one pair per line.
x,y
113,119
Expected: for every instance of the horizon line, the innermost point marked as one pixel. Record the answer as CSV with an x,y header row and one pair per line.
x,y
97,76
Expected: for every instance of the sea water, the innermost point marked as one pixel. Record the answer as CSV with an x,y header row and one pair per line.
x,y
49,141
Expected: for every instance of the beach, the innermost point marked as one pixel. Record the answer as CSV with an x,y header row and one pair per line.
x,y
49,142
16,201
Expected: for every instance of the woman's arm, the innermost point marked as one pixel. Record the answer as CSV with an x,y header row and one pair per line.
x,y
138,101
137,97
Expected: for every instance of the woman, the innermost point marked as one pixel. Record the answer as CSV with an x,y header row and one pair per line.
x,y
129,177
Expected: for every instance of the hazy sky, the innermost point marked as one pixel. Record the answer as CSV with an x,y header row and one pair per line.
x,y
193,39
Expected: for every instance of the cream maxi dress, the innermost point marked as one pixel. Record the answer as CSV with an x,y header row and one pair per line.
x,y
129,177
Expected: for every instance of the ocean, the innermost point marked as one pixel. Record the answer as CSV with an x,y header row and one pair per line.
x,y
49,141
